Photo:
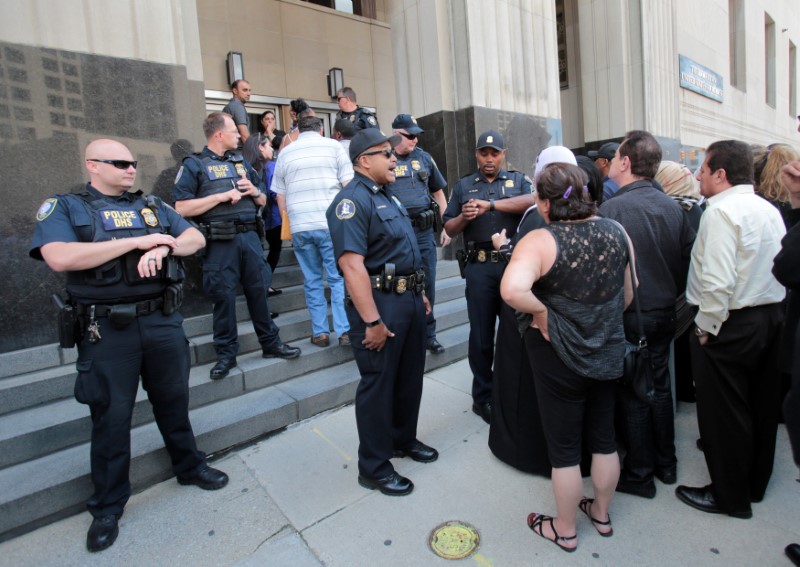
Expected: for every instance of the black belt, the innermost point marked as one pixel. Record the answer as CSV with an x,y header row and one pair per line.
x,y
224,230
482,256
142,307
398,284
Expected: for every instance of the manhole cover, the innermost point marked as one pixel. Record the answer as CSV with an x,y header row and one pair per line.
x,y
454,540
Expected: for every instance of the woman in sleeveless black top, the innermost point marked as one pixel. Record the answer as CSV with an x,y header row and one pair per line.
x,y
573,278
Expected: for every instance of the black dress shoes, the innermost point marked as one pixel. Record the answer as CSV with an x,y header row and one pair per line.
x,y
392,485
102,533
667,476
793,553
642,489
435,346
418,451
281,351
206,478
222,368
483,410
703,499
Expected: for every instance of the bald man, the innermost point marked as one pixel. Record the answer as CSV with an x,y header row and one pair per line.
x,y
123,282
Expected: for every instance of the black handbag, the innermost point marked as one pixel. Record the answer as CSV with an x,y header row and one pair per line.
x,y
637,370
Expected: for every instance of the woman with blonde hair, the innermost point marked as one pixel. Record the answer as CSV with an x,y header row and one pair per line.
x,y
767,173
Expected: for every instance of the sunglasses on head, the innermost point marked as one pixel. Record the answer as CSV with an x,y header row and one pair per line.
x,y
118,163
408,136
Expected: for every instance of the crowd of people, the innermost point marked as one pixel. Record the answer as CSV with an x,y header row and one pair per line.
x,y
562,272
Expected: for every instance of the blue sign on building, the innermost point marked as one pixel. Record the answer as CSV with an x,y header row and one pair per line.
x,y
699,79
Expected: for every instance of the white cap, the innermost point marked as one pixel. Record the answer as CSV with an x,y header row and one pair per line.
x,y
553,154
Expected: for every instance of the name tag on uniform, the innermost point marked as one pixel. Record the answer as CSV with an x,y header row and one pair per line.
x,y
120,220
220,171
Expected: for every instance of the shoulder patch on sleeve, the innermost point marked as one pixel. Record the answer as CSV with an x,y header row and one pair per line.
x,y
47,207
178,176
346,209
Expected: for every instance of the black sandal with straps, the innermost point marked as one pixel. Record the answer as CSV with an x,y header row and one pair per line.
x,y
586,506
536,520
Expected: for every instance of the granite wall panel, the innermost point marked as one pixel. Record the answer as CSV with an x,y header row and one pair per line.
x,y
52,103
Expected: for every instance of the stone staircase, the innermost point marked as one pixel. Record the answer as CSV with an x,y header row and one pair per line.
x,y
45,433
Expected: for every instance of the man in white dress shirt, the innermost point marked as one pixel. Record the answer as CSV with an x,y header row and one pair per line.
x,y
734,350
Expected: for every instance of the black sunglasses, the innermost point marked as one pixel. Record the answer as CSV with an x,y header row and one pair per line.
x,y
118,163
408,136
386,153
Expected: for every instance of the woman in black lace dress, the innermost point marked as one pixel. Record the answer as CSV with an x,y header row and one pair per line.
x,y
573,278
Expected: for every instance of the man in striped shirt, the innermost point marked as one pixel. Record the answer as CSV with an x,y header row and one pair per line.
x,y
308,175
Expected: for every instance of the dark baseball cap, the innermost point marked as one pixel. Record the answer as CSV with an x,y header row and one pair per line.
x,y
607,151
408,123
367,138
491,139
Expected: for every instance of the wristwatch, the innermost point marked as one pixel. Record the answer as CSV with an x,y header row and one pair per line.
x,y
375,323
700,332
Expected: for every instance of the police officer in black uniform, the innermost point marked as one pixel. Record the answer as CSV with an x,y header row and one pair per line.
x,y
377,252
215,188
482,204
348,109
419,186
123,283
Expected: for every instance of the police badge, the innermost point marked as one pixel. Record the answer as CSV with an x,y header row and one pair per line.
x,y
150,218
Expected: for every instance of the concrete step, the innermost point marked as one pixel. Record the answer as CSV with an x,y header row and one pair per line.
x,y
33,432
57,484
53,371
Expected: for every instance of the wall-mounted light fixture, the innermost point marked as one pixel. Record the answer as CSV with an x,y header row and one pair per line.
x,y
335,81
235,66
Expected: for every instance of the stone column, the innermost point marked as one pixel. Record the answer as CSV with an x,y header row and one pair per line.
x,y
466,66
628,69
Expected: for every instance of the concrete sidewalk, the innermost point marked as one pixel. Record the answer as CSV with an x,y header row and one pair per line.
x,y
293,501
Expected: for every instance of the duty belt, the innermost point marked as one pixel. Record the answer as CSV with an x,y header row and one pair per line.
x,y
399,284
424,220
483,256
224,230
142,307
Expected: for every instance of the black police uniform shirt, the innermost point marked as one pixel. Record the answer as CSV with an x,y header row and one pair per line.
x,y
417,177
206,173
364,218
507,184
99,218
360,117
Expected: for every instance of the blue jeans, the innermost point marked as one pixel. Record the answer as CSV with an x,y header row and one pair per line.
x,y
314,252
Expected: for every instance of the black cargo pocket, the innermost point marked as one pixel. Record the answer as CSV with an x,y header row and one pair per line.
x,y
90,389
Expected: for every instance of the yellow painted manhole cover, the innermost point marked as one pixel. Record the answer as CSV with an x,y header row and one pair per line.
x,y
454,540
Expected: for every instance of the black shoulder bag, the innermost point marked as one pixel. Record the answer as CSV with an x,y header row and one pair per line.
x,y
637,370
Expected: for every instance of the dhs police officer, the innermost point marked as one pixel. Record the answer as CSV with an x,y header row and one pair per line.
x,y
482,204
123,282
348,109
215,188
419,187
376,250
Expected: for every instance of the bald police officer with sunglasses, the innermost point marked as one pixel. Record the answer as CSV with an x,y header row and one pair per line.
x,y
117,248
376,251
419,184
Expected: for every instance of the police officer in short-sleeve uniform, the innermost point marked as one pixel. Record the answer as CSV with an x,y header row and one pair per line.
x,y
123,283
418,183
215,188
377,252
482,204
